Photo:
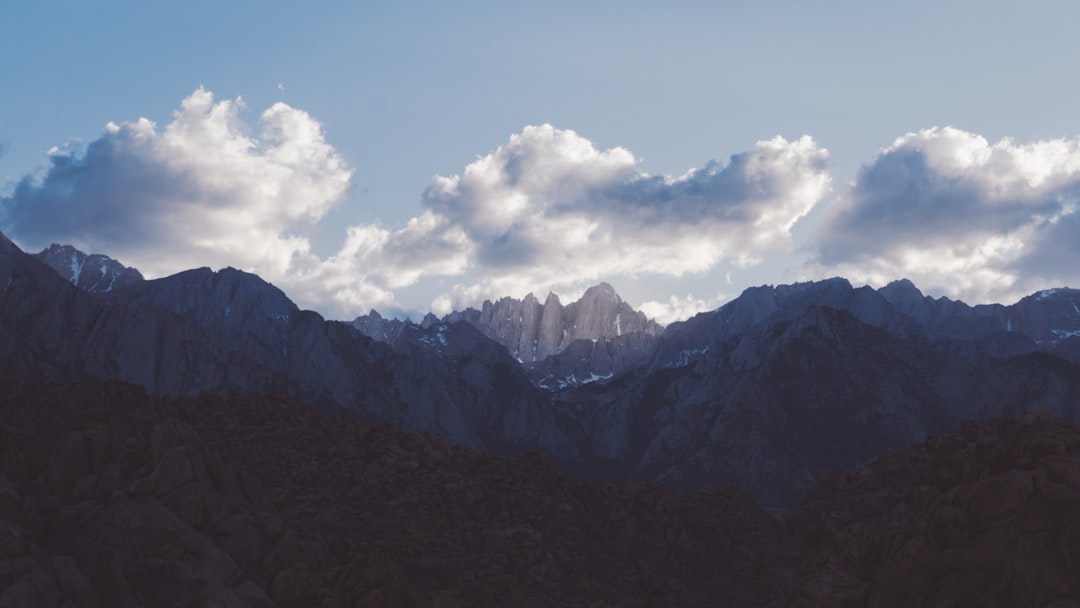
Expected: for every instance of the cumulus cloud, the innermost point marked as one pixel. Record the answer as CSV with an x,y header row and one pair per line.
x,y
960,216
546,211
679,309
202,191
549,210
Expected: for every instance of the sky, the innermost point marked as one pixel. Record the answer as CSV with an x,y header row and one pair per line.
x,y
415,157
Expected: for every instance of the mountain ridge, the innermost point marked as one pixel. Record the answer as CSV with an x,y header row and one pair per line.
x,y
95,273
604,334
764,392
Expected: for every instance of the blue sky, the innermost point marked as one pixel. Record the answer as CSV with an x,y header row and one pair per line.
x,y
399,94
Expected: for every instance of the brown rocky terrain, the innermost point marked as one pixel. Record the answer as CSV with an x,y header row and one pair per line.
x,y
987,517
111,498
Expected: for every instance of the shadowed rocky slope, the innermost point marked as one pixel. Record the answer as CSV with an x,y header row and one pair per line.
x,y
111,498
987,517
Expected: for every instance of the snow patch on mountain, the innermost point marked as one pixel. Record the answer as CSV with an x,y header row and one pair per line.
x,y
94,273
685,357
76,268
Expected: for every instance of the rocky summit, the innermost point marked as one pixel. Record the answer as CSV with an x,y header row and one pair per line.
x,y
533,331
94,273
593,338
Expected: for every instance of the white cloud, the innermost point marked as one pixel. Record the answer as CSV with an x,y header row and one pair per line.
x,y
549,211
202,191
960,216
679,309
546,211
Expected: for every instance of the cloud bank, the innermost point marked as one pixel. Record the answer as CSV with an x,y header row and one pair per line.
x,y
202,191
960,216
547,210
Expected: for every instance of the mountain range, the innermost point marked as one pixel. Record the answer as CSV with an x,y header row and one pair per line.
x,y
593,338
200,440
765,392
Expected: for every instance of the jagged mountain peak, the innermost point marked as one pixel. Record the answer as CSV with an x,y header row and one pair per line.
x,y
534,331
602,289
94,273
614,336
903,294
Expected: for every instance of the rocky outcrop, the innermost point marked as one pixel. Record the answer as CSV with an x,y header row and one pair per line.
x,y
587,361
93,273
533,331
594,338
374,326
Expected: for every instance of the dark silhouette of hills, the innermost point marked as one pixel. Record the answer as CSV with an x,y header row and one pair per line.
x,y
984,517
109,497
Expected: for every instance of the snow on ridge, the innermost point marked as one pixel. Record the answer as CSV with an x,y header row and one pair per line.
x,y
1047,293
684,356
571,380
440,338
76,268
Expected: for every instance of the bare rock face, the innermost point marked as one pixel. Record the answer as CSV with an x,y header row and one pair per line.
x,y
374,326
533,331
588,361
94,273
606,335
595,338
